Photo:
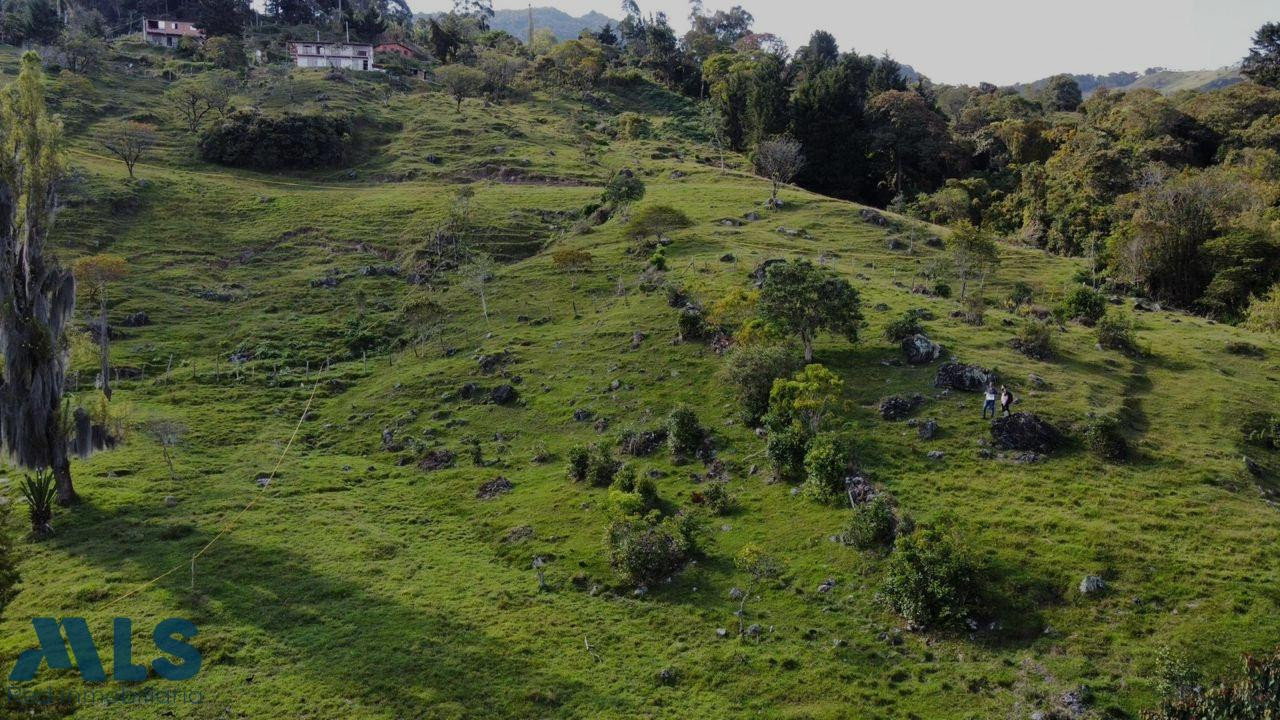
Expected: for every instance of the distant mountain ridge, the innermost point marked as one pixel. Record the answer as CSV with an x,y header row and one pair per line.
x,y
559,22
1161,79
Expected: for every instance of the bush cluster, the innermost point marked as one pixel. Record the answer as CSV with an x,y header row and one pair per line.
x,y
1085,305
643,552
929,581
874,524
273,142
1103,437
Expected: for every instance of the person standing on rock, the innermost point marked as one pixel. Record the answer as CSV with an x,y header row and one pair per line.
x,y
1006,399
990,402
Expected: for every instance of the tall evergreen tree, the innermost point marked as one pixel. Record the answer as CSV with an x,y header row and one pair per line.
x,y
37,294
1262,64
828,120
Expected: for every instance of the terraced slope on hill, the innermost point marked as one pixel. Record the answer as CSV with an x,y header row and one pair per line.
x,y
361,585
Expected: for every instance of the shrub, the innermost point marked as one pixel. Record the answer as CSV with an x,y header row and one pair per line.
x,y
579,463
751,371
1262,429
1255,694
1264,312
658,260
652,222
684,434
645,553
1115,332
691,322
929,581
632,126
873,525
268,142
715,498
601,466
623,189
905,326
942,290
1035,339
39,491
826,464
631,496
571,260
975,309
1020,295
786,448
1104,438
1085,305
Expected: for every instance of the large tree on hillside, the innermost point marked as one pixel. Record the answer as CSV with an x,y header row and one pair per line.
x,y
1262,64
820,53
886,76
37,294
96,273
779,160
910,140
803,299
222,17
828,120
1061,93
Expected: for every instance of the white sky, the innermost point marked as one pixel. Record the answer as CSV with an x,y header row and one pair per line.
x,y
999,41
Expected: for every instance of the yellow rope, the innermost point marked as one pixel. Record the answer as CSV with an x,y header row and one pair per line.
x,y
228,526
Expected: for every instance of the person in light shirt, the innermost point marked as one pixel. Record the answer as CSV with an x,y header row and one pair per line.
x,y
990,402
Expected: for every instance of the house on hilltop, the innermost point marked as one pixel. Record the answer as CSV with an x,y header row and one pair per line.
x,y
318,53
167,33
397,47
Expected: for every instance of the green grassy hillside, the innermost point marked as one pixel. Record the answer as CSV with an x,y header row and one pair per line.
x,y
361,586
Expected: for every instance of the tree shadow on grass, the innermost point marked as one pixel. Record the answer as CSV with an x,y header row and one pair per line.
x,y
365,646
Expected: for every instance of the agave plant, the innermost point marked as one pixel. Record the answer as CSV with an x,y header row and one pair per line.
x,y
39,491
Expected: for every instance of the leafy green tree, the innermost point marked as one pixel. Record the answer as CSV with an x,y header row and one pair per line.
x,y
97,273
803,299
828,119
1264,312
974,253
37,294
930,581
886,76
654,221
752,369
460,81
222,17
1262,64
910,141
820,53
1061,93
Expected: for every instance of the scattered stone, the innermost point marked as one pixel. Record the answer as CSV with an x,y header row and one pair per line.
x,y
880,307
736,593
1146,305
668,676
727,257
637,337
1076,702
754,630
1037,382
138,319
896,407
721,632
920,350
827,585
468,391
489,363
1024,431
789,232
495,487
1028,458
873,217
583,415
1254,468
955,376
928,429
436,460
752,216
170,501
433,159
1092,585
504,395
518,534
895,243
936,454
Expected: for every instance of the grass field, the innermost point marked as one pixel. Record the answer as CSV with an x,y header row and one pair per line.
x,y
359,586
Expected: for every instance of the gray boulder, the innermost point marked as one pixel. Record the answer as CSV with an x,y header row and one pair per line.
x,y
956,376
1025,431
920,350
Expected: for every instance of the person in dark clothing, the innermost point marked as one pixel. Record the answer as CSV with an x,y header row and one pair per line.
x,y
1006,400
